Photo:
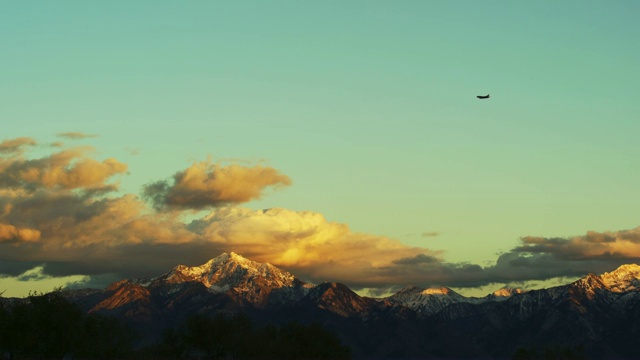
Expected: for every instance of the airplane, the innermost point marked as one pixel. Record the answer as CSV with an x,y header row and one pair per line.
x,y
483,97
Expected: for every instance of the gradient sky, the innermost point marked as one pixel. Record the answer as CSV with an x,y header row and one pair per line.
x,y
362,112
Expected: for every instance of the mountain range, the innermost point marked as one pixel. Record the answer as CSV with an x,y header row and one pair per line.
x,y
596,316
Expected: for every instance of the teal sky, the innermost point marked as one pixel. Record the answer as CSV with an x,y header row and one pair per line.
x,y
368,106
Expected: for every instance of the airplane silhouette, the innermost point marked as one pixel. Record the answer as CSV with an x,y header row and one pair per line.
x,y
483,97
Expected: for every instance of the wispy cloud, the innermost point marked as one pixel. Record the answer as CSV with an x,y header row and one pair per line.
x,y
75,135
430,234
16,145
133,150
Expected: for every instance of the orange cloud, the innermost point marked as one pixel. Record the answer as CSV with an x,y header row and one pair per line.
x,y
67,169
16,145
9,232
205,185
68,221
304,241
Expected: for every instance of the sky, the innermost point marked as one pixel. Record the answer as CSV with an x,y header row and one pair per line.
x,y
340,140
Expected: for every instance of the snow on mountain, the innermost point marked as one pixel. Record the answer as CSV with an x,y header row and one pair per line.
x,y
507,292
262,284
502,294
229,271
427,301
433,299
623,279
240,277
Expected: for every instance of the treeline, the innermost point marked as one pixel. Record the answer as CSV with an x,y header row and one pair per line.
x,y
551,353
49,326
237,337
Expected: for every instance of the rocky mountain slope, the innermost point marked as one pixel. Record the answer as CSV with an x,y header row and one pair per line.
x,y
240,278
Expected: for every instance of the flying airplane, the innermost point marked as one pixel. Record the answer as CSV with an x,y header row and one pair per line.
x,y
483,97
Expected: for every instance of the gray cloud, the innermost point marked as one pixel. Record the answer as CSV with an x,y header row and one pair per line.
x,y
416,260
17,266
539,258
425,271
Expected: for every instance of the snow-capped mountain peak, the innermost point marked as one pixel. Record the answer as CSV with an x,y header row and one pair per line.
x,y
625,278
244,279
427,301
231,271
507,292
437,291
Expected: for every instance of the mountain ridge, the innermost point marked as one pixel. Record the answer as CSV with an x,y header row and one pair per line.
x,y
598,313
254,282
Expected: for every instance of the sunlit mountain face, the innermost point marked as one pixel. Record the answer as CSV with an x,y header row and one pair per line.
x,y
595,315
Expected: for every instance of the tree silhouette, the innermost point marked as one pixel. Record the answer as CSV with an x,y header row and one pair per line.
x,y
550,353
236,337
49,326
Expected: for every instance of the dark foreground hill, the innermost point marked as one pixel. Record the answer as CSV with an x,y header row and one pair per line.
x,y
48,326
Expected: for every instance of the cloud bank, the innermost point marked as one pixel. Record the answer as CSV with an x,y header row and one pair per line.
x,y
539,258
63,213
